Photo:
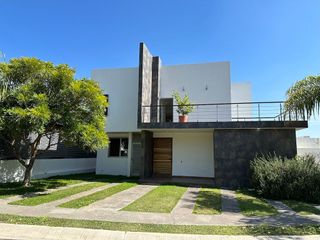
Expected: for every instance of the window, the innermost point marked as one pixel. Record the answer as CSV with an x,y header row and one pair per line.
x,y
118,147
106,111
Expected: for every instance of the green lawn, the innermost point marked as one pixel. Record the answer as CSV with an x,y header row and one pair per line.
x,y
253,206
41,185
87,200
56,195
208,201
164,228
161,199
301,207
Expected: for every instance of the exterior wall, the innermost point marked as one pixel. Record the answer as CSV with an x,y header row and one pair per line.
x,y
114,165
192,153
241,92
308,145
204,83
235,149
122,87
12,171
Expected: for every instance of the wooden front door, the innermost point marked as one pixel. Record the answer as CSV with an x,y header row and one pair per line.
x,y
162,157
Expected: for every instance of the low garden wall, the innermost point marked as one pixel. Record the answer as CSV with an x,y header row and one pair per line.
x,y
12,170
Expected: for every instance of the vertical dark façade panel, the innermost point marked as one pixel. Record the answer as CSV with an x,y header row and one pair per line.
x,y
234,149
145,84
155,91
146,154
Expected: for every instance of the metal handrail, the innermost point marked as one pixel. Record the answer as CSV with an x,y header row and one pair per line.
x,y
211,104
228,111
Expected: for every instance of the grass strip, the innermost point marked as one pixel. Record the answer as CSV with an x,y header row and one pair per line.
x,y
302,207
208,201
161,200
41,185
253,206
87,200
164,228
56,195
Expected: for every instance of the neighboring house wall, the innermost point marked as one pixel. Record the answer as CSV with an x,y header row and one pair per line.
x,y
59,160
192,153
12,170
308,145
122,87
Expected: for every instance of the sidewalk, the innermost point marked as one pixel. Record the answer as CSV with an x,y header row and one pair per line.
x,y
28,232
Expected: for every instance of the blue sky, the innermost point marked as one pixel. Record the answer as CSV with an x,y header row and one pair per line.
x,y
270,43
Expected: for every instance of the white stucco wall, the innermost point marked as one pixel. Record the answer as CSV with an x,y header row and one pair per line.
x,y
241,92
122,86
192,153
12,171
114,165
204,83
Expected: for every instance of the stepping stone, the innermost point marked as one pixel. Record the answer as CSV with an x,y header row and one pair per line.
x,y
187,202
281,207
229,203
124,198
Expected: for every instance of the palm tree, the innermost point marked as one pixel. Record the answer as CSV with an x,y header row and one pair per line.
x,y
304,97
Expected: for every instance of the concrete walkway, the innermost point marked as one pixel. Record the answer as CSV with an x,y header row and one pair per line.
x,y
28,232
281,207
122,199
108,210
187,202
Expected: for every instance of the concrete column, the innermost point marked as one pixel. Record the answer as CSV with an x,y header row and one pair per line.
x,y
146,154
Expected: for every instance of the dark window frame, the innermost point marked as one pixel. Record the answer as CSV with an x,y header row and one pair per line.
x,y
120,152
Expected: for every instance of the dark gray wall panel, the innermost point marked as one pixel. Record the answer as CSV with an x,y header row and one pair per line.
x,y
235,149
146,154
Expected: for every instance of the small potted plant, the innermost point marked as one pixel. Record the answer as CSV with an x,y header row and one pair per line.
x,y
184,106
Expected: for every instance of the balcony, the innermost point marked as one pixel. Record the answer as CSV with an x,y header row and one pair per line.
x,y
223,115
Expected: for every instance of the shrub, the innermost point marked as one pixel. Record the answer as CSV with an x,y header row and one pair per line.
x,y
281,178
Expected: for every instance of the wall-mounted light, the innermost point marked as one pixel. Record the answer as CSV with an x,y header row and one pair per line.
x,y
183,89
206,88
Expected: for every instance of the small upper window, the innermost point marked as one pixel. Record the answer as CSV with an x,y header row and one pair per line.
x,y
118,147
106,110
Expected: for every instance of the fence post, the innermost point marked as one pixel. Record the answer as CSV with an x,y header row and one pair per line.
x,y
237,112
259,111
217,114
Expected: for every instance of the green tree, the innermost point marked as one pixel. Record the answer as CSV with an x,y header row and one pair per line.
x,y
304,97
44,100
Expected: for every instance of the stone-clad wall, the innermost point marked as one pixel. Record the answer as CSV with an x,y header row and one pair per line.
x,y
145,83
155,93
149,86
234,149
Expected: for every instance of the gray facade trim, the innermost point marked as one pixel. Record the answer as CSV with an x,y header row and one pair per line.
x,y
141,46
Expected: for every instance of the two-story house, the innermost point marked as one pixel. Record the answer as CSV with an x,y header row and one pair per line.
x,y
223,134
